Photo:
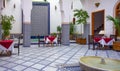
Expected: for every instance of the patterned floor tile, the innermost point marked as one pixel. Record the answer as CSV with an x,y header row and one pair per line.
x,y
35,60
50,59
10,65
3,62
19,61
60,61
12,59
10,70
19,68
63,58
54,64
38,66
41,57
31,69
3,69
45,62
27,63
5,58
48,68
26,58
47,58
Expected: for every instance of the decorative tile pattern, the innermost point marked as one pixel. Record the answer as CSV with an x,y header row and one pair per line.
x,y
19,68
38,66
37,58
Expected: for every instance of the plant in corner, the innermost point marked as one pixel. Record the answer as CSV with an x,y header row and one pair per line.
x,y
59,29
6,22
116,22
72,30
81,16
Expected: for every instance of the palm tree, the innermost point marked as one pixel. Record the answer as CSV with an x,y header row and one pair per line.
x,y
81,16
116,22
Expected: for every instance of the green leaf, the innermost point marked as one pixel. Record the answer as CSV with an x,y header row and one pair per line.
x,y
6,22
81,16
116,22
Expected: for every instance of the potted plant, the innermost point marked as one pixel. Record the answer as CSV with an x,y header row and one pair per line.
x,y
59,29
82,17
116,22
6,22
72,30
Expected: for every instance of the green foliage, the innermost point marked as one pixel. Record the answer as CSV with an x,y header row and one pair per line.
x,y
72,29
6,24
59,29
53,34
45,0
81,15
116,22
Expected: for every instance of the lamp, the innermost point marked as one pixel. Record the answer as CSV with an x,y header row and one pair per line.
x,y
4,3
97,4
55,7
102,32
14,6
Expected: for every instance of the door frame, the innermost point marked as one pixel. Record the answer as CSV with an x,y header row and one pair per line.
x,y
47,5
92,19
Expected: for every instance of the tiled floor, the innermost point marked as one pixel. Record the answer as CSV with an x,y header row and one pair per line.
x,y
36,58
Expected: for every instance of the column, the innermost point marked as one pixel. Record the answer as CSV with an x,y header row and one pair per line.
x,y
65,6
1,7
26,8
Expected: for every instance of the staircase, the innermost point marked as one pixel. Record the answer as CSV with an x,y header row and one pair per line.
x,y
98,28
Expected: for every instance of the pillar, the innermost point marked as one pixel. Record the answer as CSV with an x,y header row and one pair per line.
x,y
1,7
26,8
65,7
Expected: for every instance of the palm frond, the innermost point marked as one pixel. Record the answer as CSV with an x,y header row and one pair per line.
x,y
81,15
116,22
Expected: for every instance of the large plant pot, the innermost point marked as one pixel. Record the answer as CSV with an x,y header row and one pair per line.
x,y
81,40
116,45
5,37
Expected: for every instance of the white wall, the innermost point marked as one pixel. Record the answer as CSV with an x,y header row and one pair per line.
x,y
55,15
16,12
68,12
26,8
107,5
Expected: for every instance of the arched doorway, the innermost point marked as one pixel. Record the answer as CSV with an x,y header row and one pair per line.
x,y
117,14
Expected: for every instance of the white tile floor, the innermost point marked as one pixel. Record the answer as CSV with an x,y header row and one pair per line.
x,y
36,58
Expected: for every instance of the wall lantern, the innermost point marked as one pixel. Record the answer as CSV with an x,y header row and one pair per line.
x,y
97,4
14,6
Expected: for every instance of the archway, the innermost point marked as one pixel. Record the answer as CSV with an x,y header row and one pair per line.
x,y
117,14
